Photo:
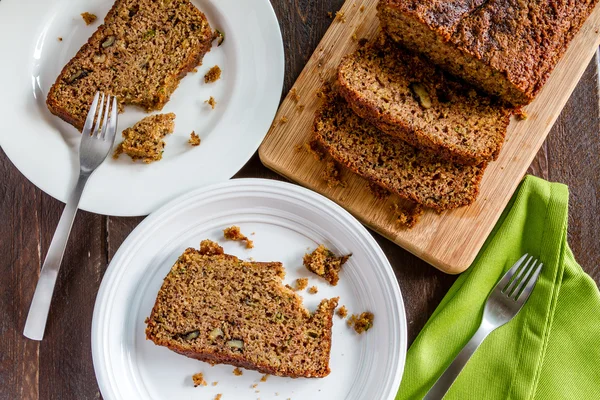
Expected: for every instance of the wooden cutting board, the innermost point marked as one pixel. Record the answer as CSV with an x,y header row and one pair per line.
x,y
449,240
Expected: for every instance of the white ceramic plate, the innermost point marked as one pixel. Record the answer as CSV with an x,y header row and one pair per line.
x,y
288,221
45,149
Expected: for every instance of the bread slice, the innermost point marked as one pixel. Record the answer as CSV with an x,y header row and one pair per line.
x,y
144,140
139,54
506,47
413,174
406,96
216,308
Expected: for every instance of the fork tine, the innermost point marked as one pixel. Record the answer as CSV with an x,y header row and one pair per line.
x,y
517,290
509,288
105,119
97,125
510,273
524,295
89,121
114,114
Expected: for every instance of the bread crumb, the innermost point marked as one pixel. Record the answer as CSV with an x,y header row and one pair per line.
x,y
407,216
211,102
294,95
213,74
89,18
283,120
313,148
300,107
362,8
254,386
340,16
379,192
264,378
195,70
301,283
144,140
342,312
59,39
238,372
199,379
218,396
215,383
362,42
313,290
330,14
234,233
354,37
325,264
194,139
361,323
521,114
332,175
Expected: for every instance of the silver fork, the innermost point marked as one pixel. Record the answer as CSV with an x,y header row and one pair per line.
x,y
97,140
503,303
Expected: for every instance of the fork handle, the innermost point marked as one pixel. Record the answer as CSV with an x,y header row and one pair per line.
x,y
442,385
40,304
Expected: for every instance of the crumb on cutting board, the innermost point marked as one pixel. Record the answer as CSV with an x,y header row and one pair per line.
x,y
234,233
294,95
313,148
379,192
361,323
332,175
407,216
194,139
89,18
340,16
211,102
283,119
199,379
213,74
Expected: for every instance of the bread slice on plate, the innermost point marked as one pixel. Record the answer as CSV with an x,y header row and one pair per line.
x,y
407,96
508,48
217,308
139,54
413,174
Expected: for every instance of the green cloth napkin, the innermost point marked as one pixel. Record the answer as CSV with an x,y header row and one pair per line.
x,y
551,349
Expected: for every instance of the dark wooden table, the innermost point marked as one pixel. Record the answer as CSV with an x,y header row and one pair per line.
x,y
61,366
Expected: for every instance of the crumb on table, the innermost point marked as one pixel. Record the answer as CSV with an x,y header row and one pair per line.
x,y
213,74
211,102
237,371
199,379
361,323
313,290
89,18
234,233
342,312
194,139
301,283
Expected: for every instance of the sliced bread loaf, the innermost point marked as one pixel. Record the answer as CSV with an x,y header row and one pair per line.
x,y
406,96
217,308
506,47
413,174
139,54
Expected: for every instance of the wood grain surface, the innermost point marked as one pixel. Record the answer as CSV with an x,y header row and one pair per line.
x,y
449,240
61,366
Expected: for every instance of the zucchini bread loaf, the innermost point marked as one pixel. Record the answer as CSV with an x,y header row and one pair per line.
x,y
139,54
506,47
406,96
413,174
216,308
